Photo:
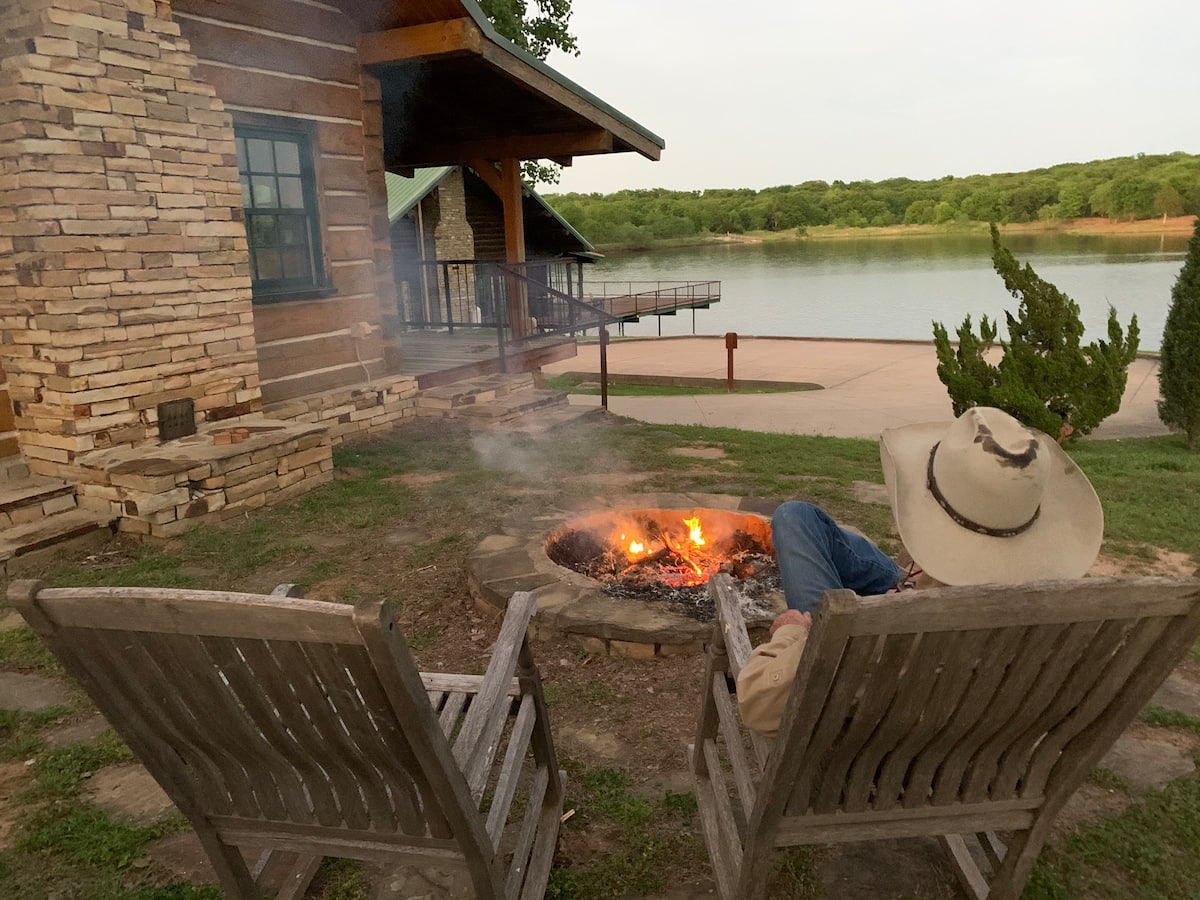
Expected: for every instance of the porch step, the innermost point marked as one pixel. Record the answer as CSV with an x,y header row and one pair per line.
x,y
18,540
28,499
38,512
488,398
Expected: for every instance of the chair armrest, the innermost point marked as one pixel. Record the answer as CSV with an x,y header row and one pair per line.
x,y
493,699
731,621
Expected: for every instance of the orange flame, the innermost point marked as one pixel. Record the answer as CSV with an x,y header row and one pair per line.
x,y
693,563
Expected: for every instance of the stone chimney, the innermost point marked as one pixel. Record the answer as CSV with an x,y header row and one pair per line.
x,y
124,275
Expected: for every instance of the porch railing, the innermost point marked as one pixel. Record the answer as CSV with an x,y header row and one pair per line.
x,y
470,294
623,299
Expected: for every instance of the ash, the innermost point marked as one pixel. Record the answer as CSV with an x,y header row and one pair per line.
x,y
754,592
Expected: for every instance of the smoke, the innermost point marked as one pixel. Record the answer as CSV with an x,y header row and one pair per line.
x,y
504,452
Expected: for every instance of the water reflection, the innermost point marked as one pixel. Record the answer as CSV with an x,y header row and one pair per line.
x,y
895,288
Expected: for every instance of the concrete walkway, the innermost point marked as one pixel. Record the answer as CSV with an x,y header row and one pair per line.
x,y
866,385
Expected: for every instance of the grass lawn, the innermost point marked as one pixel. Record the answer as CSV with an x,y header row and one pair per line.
x,y
644,386
400,519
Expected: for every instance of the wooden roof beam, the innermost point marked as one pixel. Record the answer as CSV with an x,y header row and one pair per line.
x,y
539,78
526,146
397,45
490,175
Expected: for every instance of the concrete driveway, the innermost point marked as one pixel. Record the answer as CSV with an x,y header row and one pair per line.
x,y
866,386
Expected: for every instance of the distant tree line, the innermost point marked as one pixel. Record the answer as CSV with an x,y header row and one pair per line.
x,y
1132,187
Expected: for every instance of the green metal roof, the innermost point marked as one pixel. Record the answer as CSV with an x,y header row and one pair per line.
x,y
587,245
405,193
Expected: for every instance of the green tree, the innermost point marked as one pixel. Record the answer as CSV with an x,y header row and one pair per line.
x,y
1045,377
1179,374
1167,201
538,34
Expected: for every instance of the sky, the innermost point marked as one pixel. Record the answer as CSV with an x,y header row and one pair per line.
x,y
749,93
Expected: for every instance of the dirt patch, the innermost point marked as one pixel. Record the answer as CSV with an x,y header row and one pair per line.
x,y
418,479
1163,562
13,777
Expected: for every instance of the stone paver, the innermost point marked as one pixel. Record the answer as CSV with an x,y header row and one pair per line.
x,y
882,870
128,791
1147,761
83,732
30,693
1180,694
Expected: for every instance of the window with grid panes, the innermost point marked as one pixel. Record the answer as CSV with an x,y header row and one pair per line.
x,y
282,223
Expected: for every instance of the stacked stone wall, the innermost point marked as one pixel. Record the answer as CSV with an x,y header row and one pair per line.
x,y
124,276
352,413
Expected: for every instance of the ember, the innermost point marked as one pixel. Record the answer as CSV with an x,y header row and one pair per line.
x,y
669,555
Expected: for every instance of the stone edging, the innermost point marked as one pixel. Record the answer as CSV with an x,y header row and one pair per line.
x,y
573,605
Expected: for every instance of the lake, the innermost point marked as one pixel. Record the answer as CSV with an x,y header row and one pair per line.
x,y
896,287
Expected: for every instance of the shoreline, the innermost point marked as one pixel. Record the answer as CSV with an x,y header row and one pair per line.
x,y
1176,226
615,339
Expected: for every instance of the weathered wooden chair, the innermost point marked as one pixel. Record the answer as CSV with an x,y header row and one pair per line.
x,y
305,728
953,712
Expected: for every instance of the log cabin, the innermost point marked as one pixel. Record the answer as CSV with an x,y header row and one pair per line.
x,y
195,252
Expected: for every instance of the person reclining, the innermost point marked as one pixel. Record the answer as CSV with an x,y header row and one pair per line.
x,y
984,500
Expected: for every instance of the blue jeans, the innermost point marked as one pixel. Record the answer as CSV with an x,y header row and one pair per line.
x,y
816,555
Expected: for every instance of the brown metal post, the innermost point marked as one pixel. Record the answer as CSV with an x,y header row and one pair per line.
x,y
449,301
730,346
604,366
498,309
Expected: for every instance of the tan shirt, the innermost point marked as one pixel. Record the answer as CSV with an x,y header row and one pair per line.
x,y
766,679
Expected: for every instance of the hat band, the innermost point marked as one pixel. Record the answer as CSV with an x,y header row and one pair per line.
x,y
960,519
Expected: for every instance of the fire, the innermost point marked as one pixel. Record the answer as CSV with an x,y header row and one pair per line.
x,y
681,556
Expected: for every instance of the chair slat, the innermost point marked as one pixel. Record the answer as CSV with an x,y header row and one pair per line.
x,y
1107,689
406,783
510,769
517,872
193,742
743,777
834,707
209,700
1036,645
299,769
1060,688
352,719
979,687
904,715
452,708
731,622
846,770
104,667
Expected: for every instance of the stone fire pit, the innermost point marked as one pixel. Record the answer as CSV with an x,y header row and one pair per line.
x,y
577,606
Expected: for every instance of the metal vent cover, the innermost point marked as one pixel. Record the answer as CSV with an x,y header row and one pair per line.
x,y
176,419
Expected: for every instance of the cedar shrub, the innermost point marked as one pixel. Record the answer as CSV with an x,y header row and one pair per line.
x,y
1179,373
1045,378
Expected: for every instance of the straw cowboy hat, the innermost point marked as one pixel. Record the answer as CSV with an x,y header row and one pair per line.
x,y
986,499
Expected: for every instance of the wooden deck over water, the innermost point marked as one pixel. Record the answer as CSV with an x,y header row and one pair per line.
x,y
630,300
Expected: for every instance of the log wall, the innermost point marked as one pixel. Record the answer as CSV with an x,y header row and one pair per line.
x,y
298,60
